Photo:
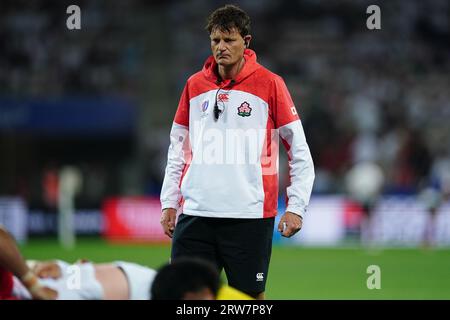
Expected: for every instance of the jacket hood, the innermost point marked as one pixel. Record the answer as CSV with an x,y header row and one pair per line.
x,y
210,67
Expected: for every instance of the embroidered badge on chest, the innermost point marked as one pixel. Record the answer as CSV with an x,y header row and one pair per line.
x,y
204,108
244,109
205,105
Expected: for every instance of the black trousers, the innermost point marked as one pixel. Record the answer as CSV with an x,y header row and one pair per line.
x,y
242,247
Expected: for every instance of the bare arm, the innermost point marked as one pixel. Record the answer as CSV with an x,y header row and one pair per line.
x,y
10,257
12,260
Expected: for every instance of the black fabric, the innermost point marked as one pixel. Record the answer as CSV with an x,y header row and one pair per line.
x,y
242,247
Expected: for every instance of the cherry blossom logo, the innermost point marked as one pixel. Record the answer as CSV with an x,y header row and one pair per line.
x,y
244,110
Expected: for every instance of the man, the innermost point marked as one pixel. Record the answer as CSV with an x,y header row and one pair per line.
x,y
192,279
222,169
20,279
85,280
186,279
364,185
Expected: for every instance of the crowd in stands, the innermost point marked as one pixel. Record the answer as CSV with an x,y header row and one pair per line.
x,y
379,96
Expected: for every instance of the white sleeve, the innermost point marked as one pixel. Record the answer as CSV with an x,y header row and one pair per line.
x,y
179,150
19,290
301,167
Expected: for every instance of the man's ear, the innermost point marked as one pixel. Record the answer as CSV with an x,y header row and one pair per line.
x,y
247,40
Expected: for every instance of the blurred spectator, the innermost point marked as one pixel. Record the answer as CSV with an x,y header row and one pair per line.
x,y
364,183
363,95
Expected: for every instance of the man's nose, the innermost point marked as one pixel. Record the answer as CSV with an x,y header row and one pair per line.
x,y
221,46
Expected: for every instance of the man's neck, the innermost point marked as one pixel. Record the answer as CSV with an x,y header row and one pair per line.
x,y
230,72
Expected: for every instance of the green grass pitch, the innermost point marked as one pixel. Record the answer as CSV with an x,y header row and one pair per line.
x,y
297,272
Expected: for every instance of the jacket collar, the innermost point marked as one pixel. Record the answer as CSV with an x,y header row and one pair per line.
x,y
251,65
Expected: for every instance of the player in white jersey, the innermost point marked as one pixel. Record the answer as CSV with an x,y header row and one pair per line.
x,y
62,281
118,280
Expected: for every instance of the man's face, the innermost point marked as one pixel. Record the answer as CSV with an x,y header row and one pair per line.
x,y
227,47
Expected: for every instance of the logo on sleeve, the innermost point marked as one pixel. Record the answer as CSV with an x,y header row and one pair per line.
x,y
293,110
244,109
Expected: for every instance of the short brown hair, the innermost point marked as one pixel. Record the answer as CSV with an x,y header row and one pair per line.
x,y
227,18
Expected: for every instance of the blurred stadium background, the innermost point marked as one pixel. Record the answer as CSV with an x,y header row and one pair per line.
x,y
87,113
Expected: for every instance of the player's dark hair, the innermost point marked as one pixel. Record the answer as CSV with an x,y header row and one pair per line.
x,y
227,18
184,275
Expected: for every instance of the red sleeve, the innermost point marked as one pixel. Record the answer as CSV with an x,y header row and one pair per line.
x,y
182,114
283,108
6,284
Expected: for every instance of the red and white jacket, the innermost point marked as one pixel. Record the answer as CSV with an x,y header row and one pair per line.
x,y
228,167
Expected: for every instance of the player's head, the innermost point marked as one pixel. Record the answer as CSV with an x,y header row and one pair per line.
x,y
229,30
227,18
186,279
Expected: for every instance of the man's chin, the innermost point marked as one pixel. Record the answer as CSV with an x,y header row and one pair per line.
x,y
223,63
